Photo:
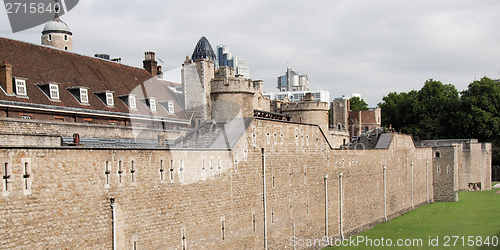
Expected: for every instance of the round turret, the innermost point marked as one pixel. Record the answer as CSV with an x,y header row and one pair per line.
x,y
57,33
307,111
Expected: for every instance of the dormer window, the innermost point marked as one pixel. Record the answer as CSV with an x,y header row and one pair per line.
x,y
152,104
84,95
51,90
106,97
171,109
21,87
131,102
80,93
109,99
54,91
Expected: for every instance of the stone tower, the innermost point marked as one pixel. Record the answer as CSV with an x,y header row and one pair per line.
x,y
307,111
339,113
197,72
57,33
233,96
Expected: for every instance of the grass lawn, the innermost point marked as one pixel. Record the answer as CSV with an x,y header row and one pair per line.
x,y
475,214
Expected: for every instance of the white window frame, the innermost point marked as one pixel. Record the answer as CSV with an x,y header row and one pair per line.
x,y
152,104
54,91
84,95
132,102
171,108
109,99
21,87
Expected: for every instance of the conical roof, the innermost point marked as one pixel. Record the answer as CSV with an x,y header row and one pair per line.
x,y
204,50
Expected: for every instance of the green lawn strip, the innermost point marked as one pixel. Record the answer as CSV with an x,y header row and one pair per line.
x,y
475,214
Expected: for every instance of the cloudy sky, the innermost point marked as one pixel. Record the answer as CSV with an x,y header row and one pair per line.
x,y
370,47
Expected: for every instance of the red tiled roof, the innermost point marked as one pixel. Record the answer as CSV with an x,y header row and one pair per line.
x,y
43,64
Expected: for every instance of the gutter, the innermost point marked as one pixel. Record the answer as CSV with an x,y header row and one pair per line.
x,y
84,112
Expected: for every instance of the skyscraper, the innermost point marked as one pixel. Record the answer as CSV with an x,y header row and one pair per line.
x,y
227,59
292,81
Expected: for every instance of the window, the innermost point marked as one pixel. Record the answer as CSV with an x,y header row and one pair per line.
x,y
438,169
50,37
438,154
152,104
84,96
54,91
281,96
66,38
21,87
6,177
109,99
65,47
171,109
131,102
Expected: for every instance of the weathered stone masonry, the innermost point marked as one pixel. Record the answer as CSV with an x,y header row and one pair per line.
x,y
213,199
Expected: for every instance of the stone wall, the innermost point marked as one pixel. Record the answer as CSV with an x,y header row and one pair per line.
x,y
469,160
445,160
28,128
60,197
339,112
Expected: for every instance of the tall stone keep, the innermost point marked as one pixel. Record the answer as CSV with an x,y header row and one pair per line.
x,y
339,113
57,33
197,72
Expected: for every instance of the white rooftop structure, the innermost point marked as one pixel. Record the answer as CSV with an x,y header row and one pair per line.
x,y
296,96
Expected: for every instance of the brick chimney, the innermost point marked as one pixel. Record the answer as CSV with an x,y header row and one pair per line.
x,y
150,63
6,78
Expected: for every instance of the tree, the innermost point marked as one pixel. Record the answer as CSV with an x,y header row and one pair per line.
x,y
426,114
480,113
437,111
358,104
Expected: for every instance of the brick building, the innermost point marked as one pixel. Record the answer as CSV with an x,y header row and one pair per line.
x,y
45,83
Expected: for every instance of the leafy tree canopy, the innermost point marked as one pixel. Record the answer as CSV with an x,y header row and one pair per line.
x,y
358,104
439,111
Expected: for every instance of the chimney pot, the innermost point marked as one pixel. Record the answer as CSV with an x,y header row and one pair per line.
x,y
150,64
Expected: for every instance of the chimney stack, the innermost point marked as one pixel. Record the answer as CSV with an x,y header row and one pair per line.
x,y
150,63
6,78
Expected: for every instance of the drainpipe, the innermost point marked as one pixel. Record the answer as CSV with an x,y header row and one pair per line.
x,y
264,196
385,194
412,204
427,179
341,208
326,205
113,206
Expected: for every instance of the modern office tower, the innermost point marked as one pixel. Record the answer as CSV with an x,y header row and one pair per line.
x,y
292,81
225,58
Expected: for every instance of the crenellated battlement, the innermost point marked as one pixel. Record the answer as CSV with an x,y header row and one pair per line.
x,y
225,81
307,103
302,106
